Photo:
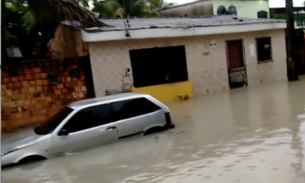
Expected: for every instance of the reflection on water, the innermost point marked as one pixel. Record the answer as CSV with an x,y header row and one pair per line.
x,y
248,135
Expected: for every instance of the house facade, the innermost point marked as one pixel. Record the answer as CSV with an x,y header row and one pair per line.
x,y
242,8
167,57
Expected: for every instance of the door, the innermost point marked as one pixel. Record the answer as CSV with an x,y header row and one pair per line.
x,y
87,128
236,67
136,115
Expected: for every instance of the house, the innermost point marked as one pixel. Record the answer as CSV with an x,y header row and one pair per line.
x,y
242,8
169,57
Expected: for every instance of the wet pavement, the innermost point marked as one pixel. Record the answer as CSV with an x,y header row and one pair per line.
x,y
247,135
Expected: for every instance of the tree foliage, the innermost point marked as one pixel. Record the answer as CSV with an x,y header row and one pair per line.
x,y
30,24
128,8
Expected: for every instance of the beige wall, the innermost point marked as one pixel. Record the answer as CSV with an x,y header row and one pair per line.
x,y
207,66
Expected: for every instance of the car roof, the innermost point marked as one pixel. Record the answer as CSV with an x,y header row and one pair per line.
x,y
110,98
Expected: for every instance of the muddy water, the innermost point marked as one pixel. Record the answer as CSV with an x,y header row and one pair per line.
x,y
248,135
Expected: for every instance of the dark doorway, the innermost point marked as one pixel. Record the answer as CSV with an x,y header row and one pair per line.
x,y
262,14
155,66
236,67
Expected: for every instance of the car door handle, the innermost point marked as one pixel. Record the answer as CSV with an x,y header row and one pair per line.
x,y
111,128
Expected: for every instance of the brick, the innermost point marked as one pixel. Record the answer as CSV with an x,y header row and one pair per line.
x,y
69,96
16,92
41,118
60,85
18,115
12,116
5,104
77,89
38,88
54,87
37,70
4,73
80,83
22,96
20,103
5,117
68,85
26,114
13,109
25,83
14,79
17,85
6,80
37,76
45,82
22,78
9,92
82,78
3,86
27,71
39,82
57,92
29,77
20,72
64,91
24,90
63,79
48,99
10,85
68,79
27,102
44,75
65,73
12,104
46,104
29,96
32,83
84,88
32,89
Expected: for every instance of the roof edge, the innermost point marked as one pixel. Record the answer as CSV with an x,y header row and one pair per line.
x,y
179,32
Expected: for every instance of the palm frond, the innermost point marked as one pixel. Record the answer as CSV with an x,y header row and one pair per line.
x,y
63,10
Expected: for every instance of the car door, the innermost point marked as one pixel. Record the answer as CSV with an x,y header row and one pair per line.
x,y
135,115
87,128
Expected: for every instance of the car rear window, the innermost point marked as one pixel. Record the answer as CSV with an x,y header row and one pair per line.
x,y
132,108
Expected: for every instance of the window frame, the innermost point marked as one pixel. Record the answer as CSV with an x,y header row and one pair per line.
x,y
257,50
126,118
162,73
86,108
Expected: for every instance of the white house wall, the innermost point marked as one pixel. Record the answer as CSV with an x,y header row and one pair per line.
x,y
207,66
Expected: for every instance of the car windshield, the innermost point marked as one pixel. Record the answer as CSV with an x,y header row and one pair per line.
x,y
50,125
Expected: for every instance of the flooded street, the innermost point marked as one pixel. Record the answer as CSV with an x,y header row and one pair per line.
x,y
247,135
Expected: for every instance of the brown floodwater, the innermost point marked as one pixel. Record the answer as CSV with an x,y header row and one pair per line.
x,y
249,135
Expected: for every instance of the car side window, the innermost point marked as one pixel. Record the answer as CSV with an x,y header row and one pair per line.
x,y
89,118
132,108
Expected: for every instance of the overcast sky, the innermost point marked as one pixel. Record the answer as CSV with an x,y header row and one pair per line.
x,y
272,3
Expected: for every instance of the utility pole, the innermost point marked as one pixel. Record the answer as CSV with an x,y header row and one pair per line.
x,y
291,51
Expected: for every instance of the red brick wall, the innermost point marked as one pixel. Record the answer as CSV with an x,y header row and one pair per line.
x,y
27,98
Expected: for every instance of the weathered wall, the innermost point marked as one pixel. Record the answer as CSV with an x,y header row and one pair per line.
x,y
28,99
67,43
207,72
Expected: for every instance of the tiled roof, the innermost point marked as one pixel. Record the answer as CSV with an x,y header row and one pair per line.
x,y
184,22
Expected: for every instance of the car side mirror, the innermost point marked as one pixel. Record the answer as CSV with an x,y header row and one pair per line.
x,y
63,132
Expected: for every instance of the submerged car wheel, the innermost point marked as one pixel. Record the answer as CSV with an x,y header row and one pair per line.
x,y
31,159
154,130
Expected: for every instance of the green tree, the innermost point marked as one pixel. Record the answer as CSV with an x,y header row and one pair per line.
x,y
128,8
30,23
